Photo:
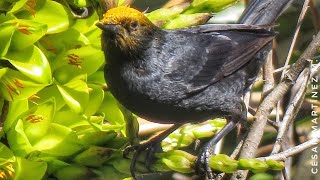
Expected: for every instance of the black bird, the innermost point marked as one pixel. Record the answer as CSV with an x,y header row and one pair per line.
x,y
186,75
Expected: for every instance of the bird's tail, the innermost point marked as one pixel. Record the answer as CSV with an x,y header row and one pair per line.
x,y
263,12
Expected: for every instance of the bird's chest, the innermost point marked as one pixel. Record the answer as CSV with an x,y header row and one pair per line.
x,y
133,82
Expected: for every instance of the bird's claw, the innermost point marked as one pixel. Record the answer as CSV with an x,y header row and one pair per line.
x,y
129,149
148,147
202,163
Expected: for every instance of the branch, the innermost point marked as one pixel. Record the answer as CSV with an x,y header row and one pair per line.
x,y
268,75
292,110
295,36
256,130
292,151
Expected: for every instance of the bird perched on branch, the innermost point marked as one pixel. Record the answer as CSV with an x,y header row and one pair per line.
x,y
186,75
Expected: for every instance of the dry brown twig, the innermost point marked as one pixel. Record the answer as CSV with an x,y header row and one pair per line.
x,y
256,130
268,75
292,151
294,40
292,110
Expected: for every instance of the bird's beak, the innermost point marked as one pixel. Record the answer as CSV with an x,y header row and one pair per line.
x,y
107,27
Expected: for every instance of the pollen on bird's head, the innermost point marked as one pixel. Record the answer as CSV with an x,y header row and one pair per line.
x,y
127,29
121,14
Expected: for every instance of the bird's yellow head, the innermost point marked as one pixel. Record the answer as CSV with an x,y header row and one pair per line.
x,y
125,16
126,27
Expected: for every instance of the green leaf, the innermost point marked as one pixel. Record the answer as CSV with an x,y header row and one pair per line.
x,y
66,73
96,96
109,172
5,6
120,2
97,78
177,140
178,163
209,6
94,156
86,25
254,165
18,140
59,141
54,164
111,110
6,155
81,3
38,119
4,18
48,12
26,169
27,32
3,71
90,59
7,30
70,119
32,63
186,20
48,93
98,138
16,86
260,176
94,36
76,95
64,41
16,108
17,6
275,165
74,172
165,13
223,163
122,165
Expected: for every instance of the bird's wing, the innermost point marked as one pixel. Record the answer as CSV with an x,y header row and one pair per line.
x,y
210,54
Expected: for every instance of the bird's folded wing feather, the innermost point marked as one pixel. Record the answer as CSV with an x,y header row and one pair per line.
x,y
220,51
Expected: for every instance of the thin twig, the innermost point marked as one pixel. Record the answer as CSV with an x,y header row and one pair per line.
x,y
285,174
268,75
236,151
284,68
292,151
292,110
251,111
293,43
263,150
296,33
256,130
270,122
273,124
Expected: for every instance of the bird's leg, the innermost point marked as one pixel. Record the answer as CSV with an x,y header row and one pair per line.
x,y
149,146
202,163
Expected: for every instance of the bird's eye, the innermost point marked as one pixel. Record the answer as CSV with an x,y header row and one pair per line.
x,y
134,24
